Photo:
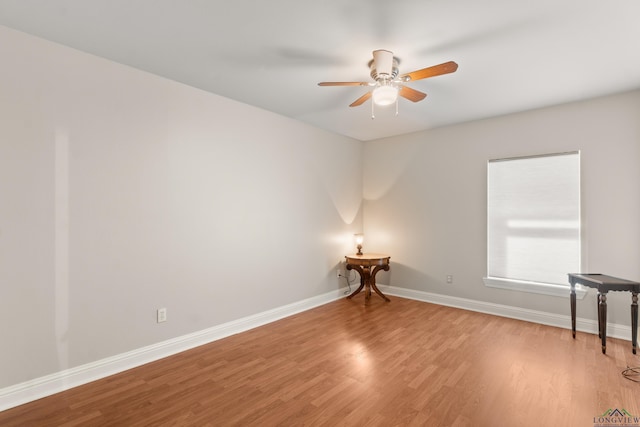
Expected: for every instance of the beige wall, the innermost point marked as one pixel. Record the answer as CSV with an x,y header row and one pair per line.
x,y
425,198
121,192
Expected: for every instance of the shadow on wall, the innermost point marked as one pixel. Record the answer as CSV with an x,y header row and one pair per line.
x,y
348,206
380,180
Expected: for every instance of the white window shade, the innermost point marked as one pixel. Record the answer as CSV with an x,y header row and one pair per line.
x,y
534,218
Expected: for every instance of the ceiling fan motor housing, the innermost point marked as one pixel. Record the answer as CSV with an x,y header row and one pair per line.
x,y
384,66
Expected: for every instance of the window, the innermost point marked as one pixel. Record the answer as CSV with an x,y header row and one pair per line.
x,y
533,228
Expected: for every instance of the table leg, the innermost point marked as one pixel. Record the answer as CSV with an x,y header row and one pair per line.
x,y
359,270
365,281
373,281
368,281
573,310
598,311
634,321
602,310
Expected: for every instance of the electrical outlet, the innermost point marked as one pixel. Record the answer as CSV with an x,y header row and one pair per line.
x,y
162,315
449,278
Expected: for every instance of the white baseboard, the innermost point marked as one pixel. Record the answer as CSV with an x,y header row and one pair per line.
x,y
558,320
38,388
50,384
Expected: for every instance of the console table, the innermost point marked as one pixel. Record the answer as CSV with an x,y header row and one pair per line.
x,y
605,284
368,265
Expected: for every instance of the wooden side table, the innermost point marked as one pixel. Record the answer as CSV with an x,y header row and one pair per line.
x,y
368,265
605,284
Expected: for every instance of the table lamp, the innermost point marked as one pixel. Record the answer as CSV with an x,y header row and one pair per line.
x,y
359,239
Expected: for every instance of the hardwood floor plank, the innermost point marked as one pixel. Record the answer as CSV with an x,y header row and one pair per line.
x,y
343,364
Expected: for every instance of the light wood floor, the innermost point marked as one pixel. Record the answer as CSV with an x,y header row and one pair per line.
x,y
401,363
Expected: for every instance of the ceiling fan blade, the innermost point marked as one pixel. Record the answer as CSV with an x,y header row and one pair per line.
x,y
361,100
436,70
343,84
411,94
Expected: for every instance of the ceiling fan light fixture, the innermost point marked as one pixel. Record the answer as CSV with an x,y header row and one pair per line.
x,y
385,95
388,85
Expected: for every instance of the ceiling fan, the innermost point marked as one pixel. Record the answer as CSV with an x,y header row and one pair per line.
x,y
388,84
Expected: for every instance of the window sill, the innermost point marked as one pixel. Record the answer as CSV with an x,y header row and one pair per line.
x,y
534,287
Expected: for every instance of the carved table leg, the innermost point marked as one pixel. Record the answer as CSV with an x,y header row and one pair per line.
x,y
368,281
603,320
634,321
373,281
359,270
573,310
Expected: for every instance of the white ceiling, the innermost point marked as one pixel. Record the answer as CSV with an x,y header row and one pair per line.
x,y
513,55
